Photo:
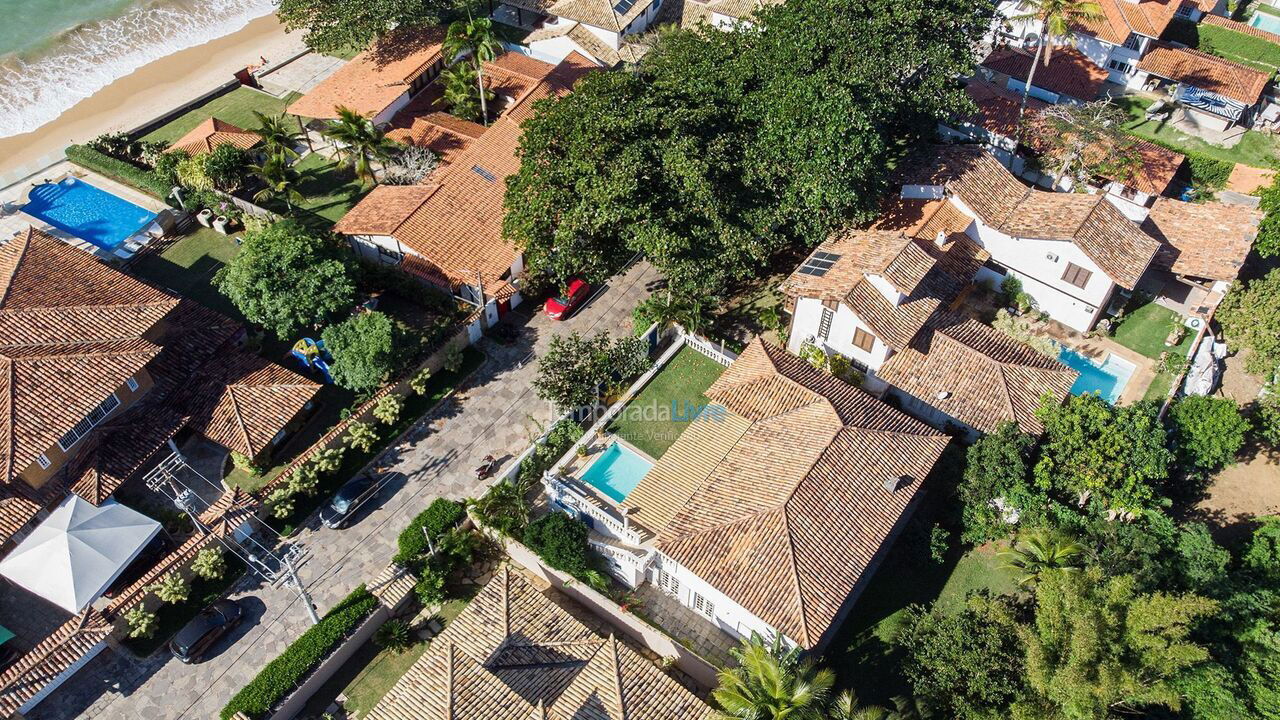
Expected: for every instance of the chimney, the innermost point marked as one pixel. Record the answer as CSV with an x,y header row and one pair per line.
x,y
941,239
892,484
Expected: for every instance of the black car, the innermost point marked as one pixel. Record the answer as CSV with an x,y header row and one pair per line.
x,y
348,500
195,639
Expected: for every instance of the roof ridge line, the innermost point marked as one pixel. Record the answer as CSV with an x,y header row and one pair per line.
x,y
1006,392
617,677
795,573
239,418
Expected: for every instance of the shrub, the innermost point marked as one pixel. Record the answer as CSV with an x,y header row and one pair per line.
x,y
1262,555
1208,431
165,166
119,170
361,436
142,624
419,382
394,636
430,588
557,442
304,481
171,588
388,408
813,355
939,544
284,673
225,167
441,515
209,564
327,460
365,350
1019,328
280,502
561,541
193,174
240,462
453,361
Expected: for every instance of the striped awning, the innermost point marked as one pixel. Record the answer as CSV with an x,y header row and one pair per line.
x,y
1210,102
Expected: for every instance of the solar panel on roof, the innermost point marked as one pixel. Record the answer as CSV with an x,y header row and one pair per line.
x,y
484,173
623,6
818,264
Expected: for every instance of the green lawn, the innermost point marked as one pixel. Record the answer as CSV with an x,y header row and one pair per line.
x,y
187,268
329,191
1234,46
862,654
1254,149
1159,388
1144,329
657,415
1266,9
236,107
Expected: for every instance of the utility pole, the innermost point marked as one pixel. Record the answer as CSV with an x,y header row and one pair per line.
x,y
291,574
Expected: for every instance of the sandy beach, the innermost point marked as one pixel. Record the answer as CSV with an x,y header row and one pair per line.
x,y
150,91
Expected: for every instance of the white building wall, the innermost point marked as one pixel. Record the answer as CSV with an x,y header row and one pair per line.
x,y
554,50
609,37
805,323
396,106
727,614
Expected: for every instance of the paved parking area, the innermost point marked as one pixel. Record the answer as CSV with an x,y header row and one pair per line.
x,y
495,413
300,74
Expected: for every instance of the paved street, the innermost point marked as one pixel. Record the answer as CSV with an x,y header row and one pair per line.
x,y
497,412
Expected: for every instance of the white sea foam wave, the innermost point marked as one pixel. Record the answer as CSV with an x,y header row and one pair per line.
x,y
38,87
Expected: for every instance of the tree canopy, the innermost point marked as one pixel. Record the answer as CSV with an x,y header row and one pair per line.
x,y
364,350
723,147
1208,431
574,366
285,279
1250,317
332,26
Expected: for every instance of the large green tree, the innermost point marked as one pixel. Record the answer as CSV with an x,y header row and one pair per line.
x,y
285,279
574,367
1093,450
332,26
1097,647
723,147
1208,431
1250,317
966,665
364,350
359,142
996,484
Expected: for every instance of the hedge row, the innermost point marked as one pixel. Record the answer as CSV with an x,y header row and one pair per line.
x,y
282,675
1206,173
118,170
442,515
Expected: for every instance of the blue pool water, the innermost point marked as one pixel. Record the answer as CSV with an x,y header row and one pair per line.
x,y
616,472
1107,379
1263,21
91,214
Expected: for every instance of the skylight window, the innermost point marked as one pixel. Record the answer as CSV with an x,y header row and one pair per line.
x,y
484,173
623,6
819,263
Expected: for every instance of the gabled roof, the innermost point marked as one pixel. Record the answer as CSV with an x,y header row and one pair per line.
x,y
33,671
72,330
789,505
211,133
998,107
1069,72
371,81
1121,17
513,654
977,375
1206,72
455,232
696,11
1118,246
1203,240
610,15
1158,167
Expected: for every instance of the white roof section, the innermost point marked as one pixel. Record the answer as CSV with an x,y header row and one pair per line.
x,y
78,551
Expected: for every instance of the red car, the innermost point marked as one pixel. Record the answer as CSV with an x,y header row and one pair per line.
x,y
563,305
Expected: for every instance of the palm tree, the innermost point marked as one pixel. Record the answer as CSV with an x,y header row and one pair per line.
x,y
1042,550
906,707
460,91
278,135
1056,18
846,707
359,142
771,682
279,181
476,37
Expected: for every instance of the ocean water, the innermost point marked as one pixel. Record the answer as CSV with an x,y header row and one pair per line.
x,y
55,53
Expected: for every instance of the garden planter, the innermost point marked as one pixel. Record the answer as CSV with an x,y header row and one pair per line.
x,y
220,224
205,217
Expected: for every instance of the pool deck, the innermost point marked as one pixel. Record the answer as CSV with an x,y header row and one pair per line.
x,y
578,464
1097,349
14,222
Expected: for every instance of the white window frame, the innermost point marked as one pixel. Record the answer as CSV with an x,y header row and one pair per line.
x,y
1120,66
89,422
704,606
132,383
43,461
668,582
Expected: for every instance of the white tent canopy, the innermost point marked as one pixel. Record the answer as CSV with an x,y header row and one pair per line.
x,y
78,551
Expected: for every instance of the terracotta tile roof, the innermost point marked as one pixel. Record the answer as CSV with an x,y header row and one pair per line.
x,y
1158,168
1070,72
989,377
57,653
1119,247
998,107
456,231
514,654
1204,240
213,132
789,512
117,449
1120,17
596,48
384,209
72,330
696,11
597,13
1206,72
240,400
371,81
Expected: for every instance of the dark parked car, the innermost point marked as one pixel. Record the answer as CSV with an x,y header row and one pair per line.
x,y
562,306
348,500
194,640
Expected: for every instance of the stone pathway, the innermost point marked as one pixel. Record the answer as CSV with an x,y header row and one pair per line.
x,y
495,413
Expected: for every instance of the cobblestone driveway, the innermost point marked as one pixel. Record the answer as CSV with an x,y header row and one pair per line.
x,y
496,413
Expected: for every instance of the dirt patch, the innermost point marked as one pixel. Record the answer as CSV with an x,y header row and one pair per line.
x,y
1237,383
1246,179
1243,492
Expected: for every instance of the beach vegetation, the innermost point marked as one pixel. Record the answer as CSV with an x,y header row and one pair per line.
x,y
285,279
359,143
336,26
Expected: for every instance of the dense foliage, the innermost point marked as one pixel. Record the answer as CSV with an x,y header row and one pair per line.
x,y
121,170
1250,318
286,279
366,348
994,484
1208,431
441,515
283,674
574,368
723,147
333,26
561,541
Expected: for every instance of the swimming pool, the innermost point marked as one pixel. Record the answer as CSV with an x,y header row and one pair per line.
x,y
1264,21
616,472
89,213
1107,379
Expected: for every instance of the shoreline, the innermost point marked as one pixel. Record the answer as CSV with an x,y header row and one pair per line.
x,y
146,93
